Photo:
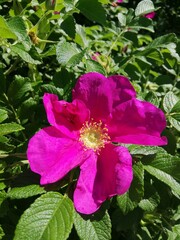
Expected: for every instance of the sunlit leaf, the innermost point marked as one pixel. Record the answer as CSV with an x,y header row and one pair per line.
x,y
7,128
5,31
25,192
164,177
49,217
3,115
144,7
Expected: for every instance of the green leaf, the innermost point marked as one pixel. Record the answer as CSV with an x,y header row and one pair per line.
x,y
26,108
174,123
149,204
122,19
169,101
3,115
18,88
176,116
25,192
154,54
6,147
93,66
93,10
52,89
163,41
81,38
175,111
164,162
18,27
20,50
125,203
68,25
144,7
96,228
164,177
68,54
152,97
128,201
141,23
5,31
49,217
7,128
142,150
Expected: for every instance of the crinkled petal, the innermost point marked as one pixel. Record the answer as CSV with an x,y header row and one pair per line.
x,y
122,90
67,117
101,94
52,155
137,122
103,176
94,90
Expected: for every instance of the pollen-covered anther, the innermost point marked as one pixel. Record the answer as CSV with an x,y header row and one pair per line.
x,y
94,135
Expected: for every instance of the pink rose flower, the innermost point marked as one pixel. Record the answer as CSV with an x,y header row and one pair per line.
x,y
95,55
150,15
103,110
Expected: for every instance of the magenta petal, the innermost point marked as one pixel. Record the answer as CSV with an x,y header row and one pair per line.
x,y
83,199
67,117
100,179
138,122
53,155
94,90
122,90
150,15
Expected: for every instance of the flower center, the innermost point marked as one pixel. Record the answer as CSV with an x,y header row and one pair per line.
x,y
94,135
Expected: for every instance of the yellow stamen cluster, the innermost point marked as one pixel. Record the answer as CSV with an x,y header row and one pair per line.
x,y
94,135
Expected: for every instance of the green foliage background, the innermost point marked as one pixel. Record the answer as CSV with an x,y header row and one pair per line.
x,y
44,47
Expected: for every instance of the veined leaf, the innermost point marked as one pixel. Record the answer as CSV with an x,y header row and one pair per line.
x,y
144,7
7,128
96,229
163,41
49,217
18,88
165,162
19,50
93,66
174,123
68,54
169,101
25,192
150,204
164,177
5,31
176,108
18,27
141,23
3,115
128,201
